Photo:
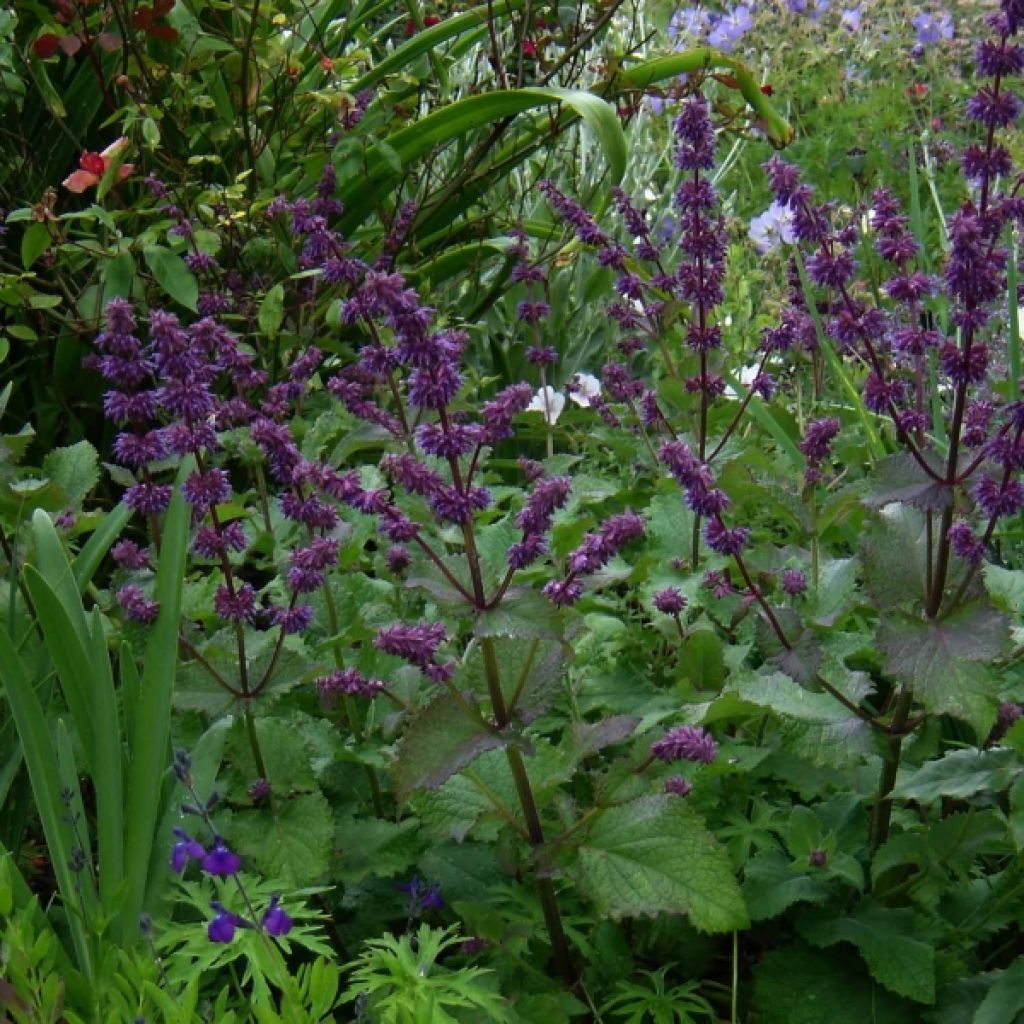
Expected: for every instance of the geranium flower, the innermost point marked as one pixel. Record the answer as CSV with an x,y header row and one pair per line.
x,y
584,388
549,402
92,167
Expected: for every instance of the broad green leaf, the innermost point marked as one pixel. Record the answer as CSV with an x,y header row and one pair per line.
x,y
889,940
701,661
292,842
959,774
271,314
655,856
372,847
76,468
34,243
172,275
899,479
945,661
1005,999
789,699
893,555
1006,588
772,882
440,741
808,986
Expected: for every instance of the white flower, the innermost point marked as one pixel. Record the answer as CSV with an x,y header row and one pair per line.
x,y
584,387
549,403
773,227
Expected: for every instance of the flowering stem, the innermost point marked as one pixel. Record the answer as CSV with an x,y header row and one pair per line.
x,y
534,829
351,712
882,813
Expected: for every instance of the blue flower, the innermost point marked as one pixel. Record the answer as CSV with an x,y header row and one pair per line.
x,y
772,228
221,861
275,920
184,850
729,29
932,28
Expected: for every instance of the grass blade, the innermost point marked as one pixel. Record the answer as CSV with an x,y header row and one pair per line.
x,y
88,559
37,745
149,752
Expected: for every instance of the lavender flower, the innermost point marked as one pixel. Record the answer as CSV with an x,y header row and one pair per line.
x,y
418,645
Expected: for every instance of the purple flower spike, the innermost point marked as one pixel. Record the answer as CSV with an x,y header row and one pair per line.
x,y
685,743
794,582
678,786
275,920
221,861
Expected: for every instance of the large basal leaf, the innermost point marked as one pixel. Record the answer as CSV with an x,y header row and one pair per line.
x,y
888,939
441,741
960,774
807,986
945,661
655,855
372,847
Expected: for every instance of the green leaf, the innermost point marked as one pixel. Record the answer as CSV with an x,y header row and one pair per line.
x,y
959,774
292,842
888,939
151,750
655,855
76,468
772,882
271,314
789,699
374,848
807,986
172,275
900,479
1005,999
1006,588
945,661
894,557
439,742
457,119
701,660
37,745
34,243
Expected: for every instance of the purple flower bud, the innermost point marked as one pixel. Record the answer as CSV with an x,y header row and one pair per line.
x,y
678,786
129,555
669,601
817,858
794,582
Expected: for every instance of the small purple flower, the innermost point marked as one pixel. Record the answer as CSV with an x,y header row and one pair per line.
x,y
348,681
685,743
817,858
275,920
818,438
184,850
260,790
932,28
223,926
221,861
136,607
678,786
422,897
669,601
418,645
794,582
129,555
726,540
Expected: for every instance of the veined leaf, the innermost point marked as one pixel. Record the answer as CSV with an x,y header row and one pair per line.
x,y
655,855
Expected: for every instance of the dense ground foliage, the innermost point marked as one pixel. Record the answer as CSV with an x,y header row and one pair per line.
x,y
511,512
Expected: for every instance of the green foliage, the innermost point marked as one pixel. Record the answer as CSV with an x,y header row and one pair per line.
x,y
403,983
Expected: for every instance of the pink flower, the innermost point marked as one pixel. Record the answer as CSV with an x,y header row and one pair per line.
x,y
92,167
